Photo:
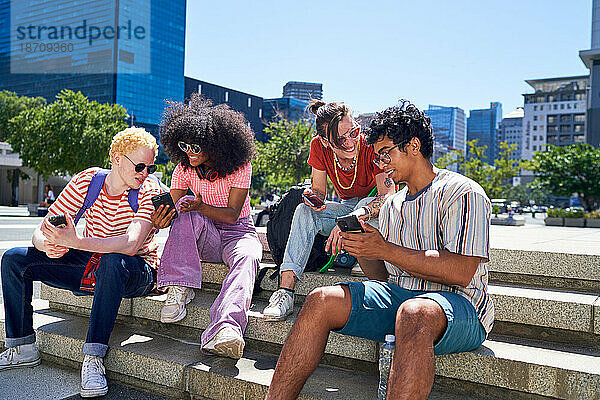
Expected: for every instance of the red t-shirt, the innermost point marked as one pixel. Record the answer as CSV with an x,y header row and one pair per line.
x,y
321,158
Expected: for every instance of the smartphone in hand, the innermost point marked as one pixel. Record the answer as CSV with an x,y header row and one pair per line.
x,y
166,199
60,221
313,200
349,223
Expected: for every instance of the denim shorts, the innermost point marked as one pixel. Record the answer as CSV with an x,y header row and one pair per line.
x,y
374,307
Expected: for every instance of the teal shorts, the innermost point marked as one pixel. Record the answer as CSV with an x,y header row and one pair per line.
x,y
374,307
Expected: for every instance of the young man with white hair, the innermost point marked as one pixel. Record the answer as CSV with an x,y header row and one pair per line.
x,y
115,258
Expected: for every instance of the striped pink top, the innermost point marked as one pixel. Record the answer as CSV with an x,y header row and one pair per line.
x,y
214,193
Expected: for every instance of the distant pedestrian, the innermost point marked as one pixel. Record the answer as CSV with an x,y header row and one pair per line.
x,y
48,196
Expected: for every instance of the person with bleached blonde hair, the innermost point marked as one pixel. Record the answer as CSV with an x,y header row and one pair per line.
x,y
114,258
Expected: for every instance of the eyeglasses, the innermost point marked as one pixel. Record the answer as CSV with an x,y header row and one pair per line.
x,y
351,133
384,158
191,148
141,166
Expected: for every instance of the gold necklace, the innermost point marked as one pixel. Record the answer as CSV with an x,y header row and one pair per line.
x,y
355,168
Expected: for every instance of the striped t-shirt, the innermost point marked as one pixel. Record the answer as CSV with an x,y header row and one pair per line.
x,y
109,215
215,193
452,213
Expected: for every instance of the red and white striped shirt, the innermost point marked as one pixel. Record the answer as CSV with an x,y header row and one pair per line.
x,y
215,193
109,216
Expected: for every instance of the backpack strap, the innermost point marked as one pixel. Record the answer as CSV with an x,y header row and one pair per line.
x,y
93,191
96,186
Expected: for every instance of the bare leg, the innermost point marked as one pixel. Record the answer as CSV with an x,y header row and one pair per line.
x,y
288,280
325,309
419,323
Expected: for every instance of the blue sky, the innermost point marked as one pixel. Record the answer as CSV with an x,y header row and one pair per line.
x,y
372,53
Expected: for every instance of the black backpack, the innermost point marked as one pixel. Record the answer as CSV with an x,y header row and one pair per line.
x,y
278,231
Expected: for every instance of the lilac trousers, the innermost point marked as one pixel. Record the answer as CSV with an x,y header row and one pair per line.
x,y
195,238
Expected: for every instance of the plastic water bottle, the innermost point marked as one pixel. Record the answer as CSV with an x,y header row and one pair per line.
x,y
386,353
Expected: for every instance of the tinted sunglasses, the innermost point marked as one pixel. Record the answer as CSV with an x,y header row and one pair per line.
x,y
141,166
191,148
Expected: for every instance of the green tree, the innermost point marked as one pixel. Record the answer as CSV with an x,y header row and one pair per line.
x,y
282,160
66,136
12,105
564,170
494,179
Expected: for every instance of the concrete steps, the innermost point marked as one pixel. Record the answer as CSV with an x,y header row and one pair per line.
x,y
173,361
538,313
176,366
513,363
545,343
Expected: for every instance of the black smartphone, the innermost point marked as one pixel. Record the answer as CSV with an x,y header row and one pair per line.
x,y
60,221
164,198
349,223
313,200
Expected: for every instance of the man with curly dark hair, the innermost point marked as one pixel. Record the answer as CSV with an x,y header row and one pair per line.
x,y
434,248
213,146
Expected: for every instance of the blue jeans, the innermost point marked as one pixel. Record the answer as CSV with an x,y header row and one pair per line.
x,y
307,223
117,276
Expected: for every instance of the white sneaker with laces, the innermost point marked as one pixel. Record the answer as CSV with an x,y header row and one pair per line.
x,y
93,381
227,342
25,355
174,308
281,304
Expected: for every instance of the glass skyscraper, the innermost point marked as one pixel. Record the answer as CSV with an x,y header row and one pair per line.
x,y
129,52
448,126
483,125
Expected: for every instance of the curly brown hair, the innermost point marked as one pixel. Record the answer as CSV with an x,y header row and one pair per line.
x,y
222,133
401,123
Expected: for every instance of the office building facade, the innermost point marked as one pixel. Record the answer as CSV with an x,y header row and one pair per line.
x,y
554,114
482,125
287,108
305,91
511,132
449,129
138,70
248,104
591,59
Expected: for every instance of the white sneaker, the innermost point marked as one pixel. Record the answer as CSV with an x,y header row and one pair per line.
x,y
174,308
281,304
357,270
25,355
227,342
93,382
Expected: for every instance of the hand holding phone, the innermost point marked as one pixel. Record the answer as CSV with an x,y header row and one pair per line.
x,y
312,200
60,221
162,220
349,223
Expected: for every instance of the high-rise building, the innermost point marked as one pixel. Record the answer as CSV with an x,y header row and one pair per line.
x,y
248,104
511,132
448,125
591,58
129,52
483,125
305,91
554,114
285,107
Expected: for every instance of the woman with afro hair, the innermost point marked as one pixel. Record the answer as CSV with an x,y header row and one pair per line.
x,y
212,146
